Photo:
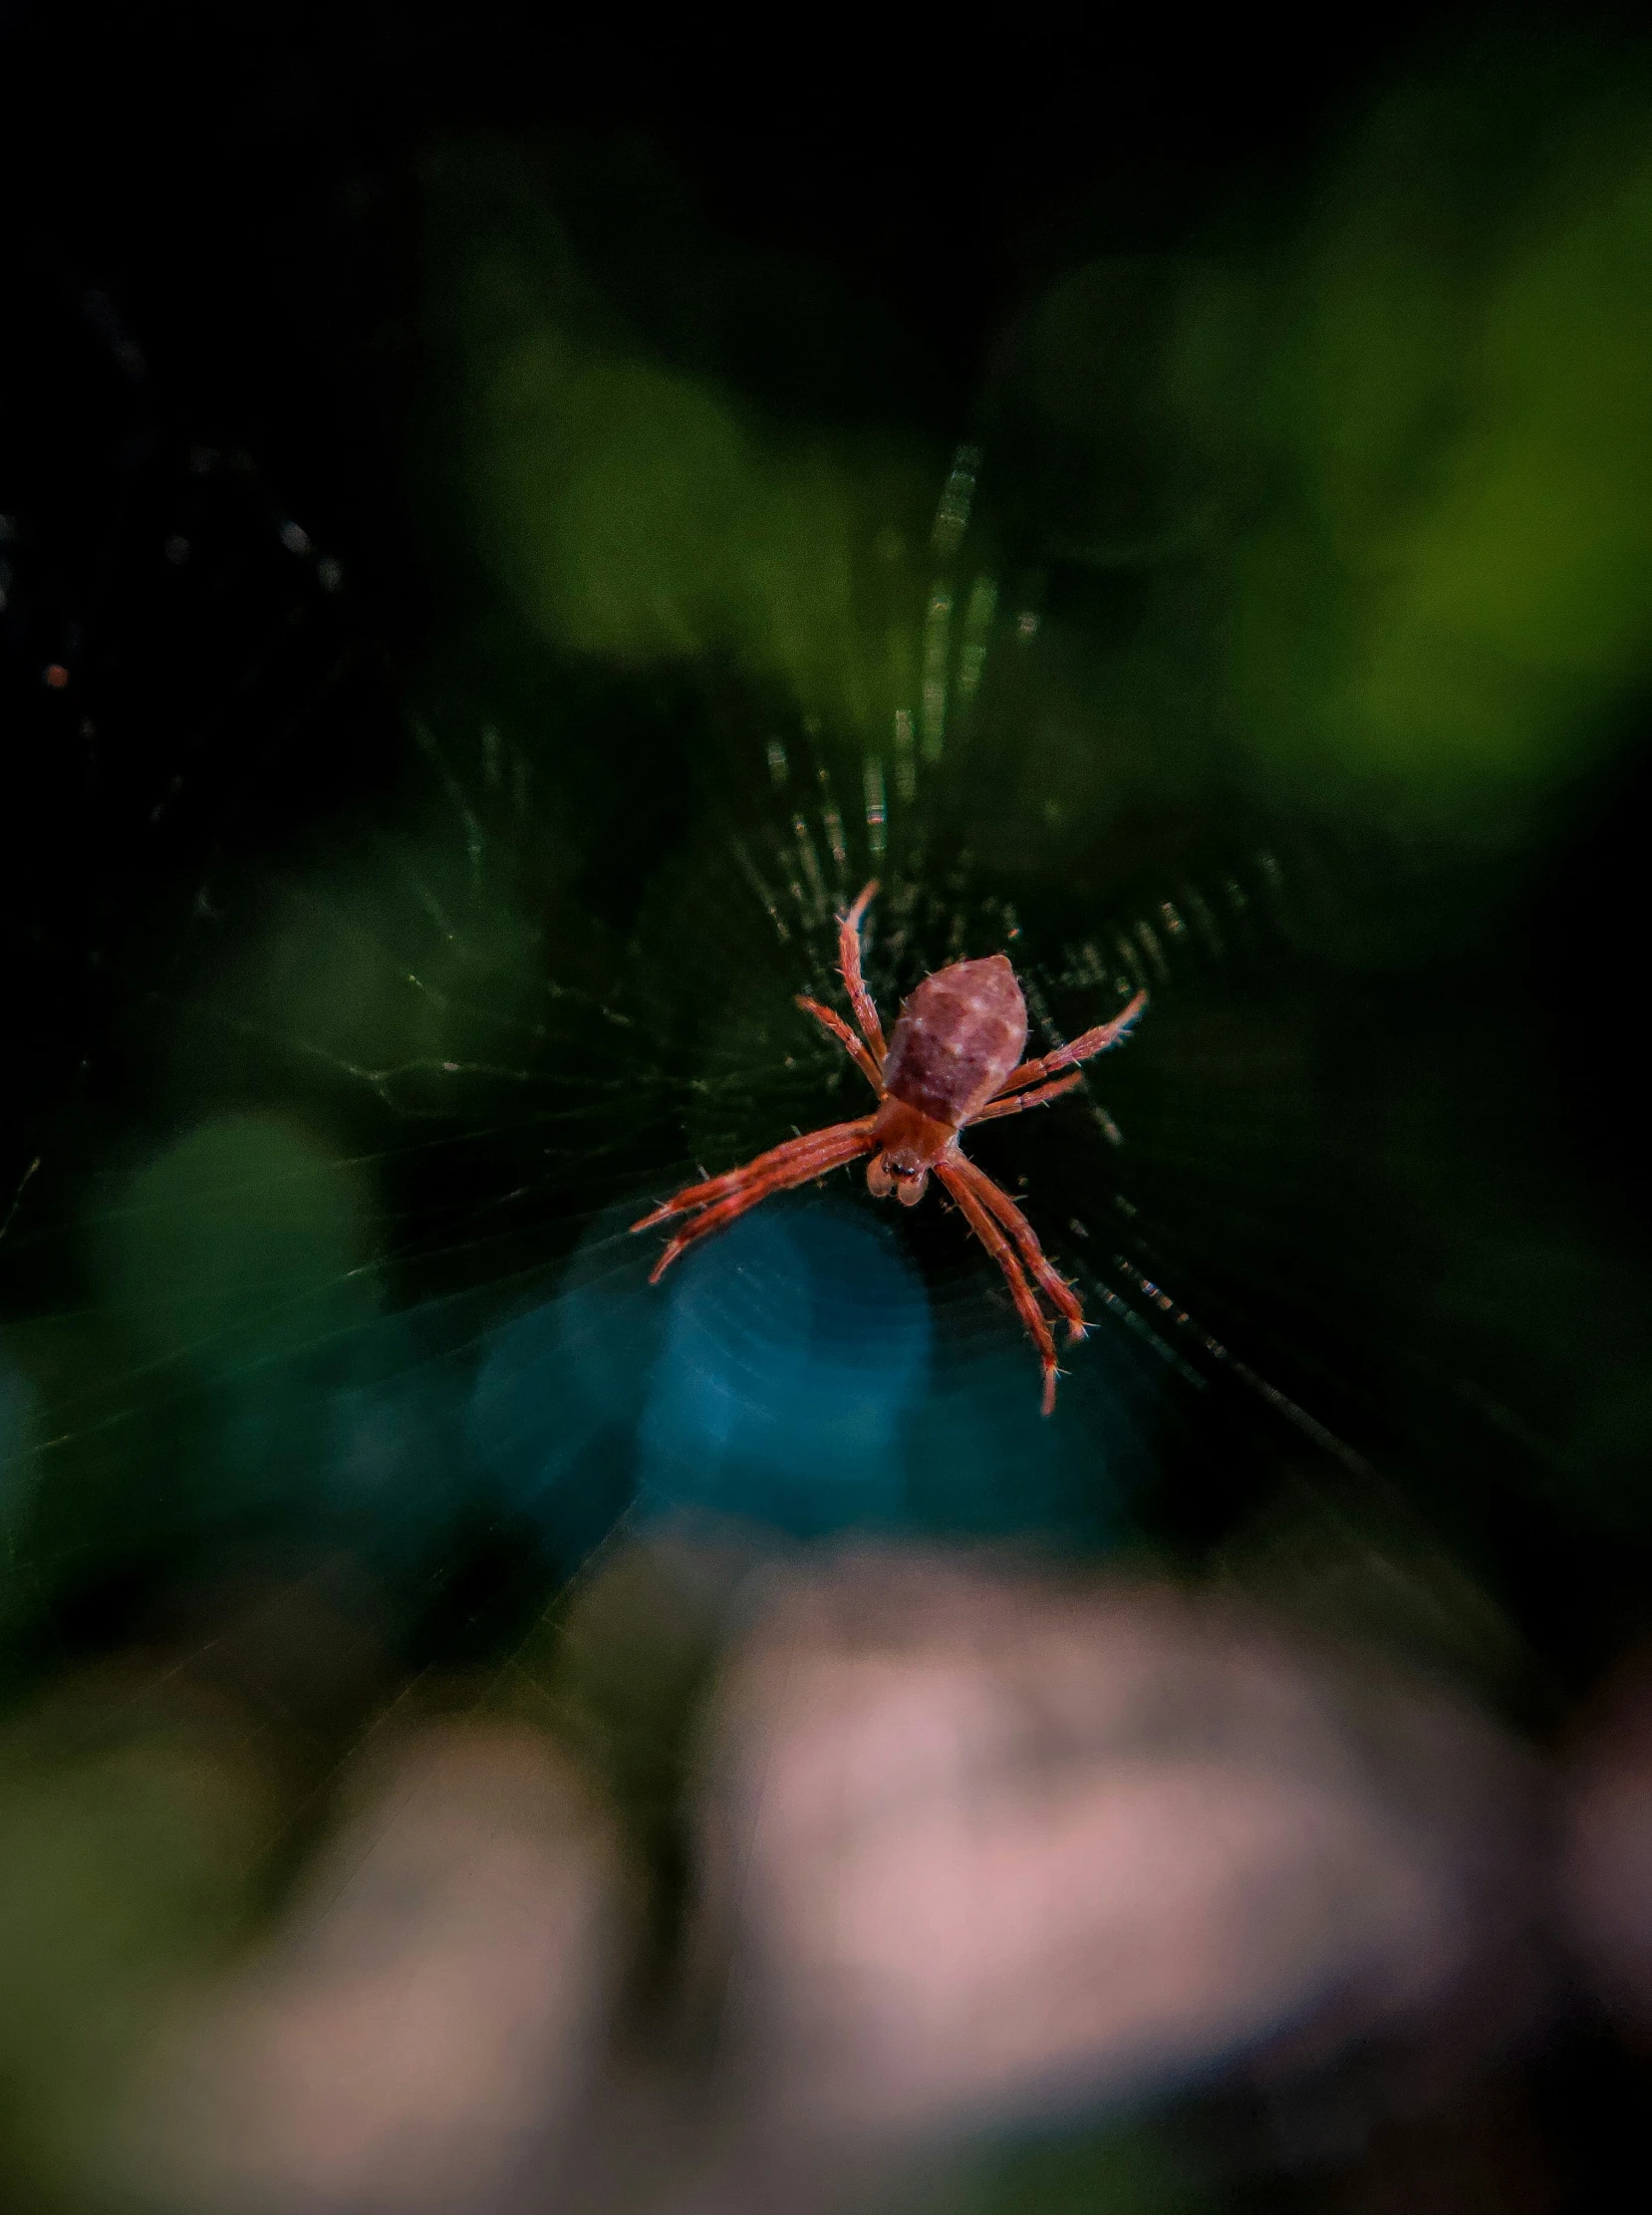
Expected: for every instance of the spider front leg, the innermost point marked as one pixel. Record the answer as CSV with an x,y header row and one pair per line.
x,y
721,1199
1055,1287
952,1174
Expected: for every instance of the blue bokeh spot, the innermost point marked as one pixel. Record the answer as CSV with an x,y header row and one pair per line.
x,y
797,1344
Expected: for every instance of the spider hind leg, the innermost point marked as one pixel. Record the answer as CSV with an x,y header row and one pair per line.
x,y
849,963
1081,1049
1035,1260
1041,1096
835,1027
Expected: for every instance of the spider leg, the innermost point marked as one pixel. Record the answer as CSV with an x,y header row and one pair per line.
x,y
849,961
1020,1291
846,1038
778,1171
1091,1042
779,1158
1055,1287
1041,1096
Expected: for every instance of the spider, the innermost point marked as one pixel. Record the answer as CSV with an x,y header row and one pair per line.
x,y
955,1060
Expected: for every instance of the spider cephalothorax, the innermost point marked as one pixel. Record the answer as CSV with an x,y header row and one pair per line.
x,y
955,1060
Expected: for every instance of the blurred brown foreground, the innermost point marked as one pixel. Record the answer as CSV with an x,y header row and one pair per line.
x,y
782,1884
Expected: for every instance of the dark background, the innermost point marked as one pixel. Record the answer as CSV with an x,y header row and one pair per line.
x,y
214,252
213,249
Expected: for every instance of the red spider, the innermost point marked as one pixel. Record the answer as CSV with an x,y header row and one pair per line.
x,y
955,1060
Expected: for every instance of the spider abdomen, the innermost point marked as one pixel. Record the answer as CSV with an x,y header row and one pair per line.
x,y
959,1036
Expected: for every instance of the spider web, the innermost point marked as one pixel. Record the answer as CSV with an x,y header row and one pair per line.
x,y
365,998
319,1225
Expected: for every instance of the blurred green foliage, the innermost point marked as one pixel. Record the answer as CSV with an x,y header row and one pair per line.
x,y
189,1398
240,1244
1444,590
1127,2169
636,510
134,1821
1381,472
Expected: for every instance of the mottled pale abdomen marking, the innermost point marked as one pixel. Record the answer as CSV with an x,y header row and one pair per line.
x,y
959,1036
